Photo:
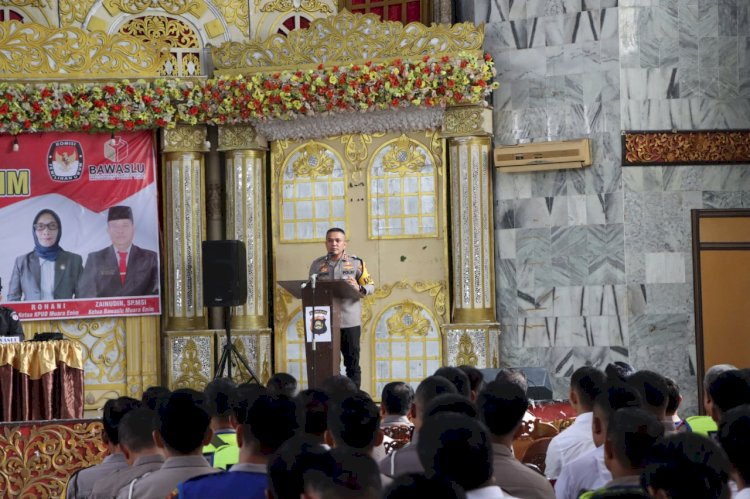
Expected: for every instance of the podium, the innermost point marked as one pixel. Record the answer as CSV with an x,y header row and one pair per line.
x,y
322,324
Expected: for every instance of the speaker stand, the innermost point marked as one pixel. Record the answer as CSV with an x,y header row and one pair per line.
x,y
230,354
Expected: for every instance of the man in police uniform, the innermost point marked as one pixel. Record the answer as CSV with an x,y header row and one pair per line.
x,y
338,264
10,324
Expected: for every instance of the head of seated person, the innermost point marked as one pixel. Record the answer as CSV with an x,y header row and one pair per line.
x,y
615,395
456,376
686,466
354,475
457,448
113,412
270,422
501,406
219,395
712,373
396,399
354,423
136,434
338,387
243,399
413,485
427,390
282,384
312,412
184,424
631,433
730,389
154,396
734,437
652,387
674,398
618,371
287,467
585,384
451,402
515,376
476,380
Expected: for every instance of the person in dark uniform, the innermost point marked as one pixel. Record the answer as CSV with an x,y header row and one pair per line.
x,y
10,324
337,264
122,269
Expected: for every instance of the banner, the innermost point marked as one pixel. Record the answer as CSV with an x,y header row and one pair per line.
x,y
79,225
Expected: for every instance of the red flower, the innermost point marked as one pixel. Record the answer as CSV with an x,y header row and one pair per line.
x,y
46,92
445,58
27,124
110,90
193,110
116,108
394,102
68,98
146,99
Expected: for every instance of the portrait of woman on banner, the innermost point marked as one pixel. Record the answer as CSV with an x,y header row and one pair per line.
x,y
48,272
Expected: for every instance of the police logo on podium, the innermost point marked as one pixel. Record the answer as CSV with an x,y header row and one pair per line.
x,y
318,324
65,160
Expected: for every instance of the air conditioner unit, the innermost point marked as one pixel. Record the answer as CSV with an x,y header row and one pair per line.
x,y
538,156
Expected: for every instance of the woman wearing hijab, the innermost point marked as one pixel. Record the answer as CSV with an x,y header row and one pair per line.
x,y
48,272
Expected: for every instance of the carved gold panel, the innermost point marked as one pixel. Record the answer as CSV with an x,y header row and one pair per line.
x,y
190,358
255,347
33,51
467,121
471,344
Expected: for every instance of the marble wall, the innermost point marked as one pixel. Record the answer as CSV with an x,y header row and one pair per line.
x,y
594,265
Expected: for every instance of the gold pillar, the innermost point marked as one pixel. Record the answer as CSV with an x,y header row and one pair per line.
x,y
246,201
472,335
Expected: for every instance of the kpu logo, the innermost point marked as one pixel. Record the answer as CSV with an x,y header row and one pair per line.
x,y
65,160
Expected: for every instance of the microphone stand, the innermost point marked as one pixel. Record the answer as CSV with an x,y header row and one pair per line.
x,y
312,331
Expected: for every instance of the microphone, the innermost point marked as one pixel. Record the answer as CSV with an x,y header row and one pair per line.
x,y
304,285
313,278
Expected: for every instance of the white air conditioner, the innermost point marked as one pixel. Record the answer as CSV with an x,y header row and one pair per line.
x,y
538,156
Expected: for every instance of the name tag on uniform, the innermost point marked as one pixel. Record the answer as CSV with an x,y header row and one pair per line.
x,y
9,339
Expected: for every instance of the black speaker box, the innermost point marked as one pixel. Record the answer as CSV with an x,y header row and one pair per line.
x,y
224,273
540,386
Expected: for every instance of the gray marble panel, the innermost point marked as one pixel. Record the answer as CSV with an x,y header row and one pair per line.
x,y
669,51
726,178
683,178
533,245
666,21
604,176
530,123
575,59
629,44
498,37
559,29
708,49
635,263
668,299
637,297
728,17
504,215
601,86
594,120
506,273
534,212
555,60
612,120
549,184
605,300
605,4
535,332
523,64
610,55
728,82
743,19
649,51
708,21
575,179
609,330
567,89
647,178
564,361
569,241
501,100
507,307
569,301
679,204
604,208
505,245
688,25
609,20
577,210
535,303
732,113
728,50
659,329
642,206
665,267
563,271
722,199
519,95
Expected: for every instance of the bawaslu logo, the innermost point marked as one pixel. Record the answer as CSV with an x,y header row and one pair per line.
x,y
65,160
117,167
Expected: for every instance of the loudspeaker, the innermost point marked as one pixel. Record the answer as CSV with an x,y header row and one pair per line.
x,y
224,273
540,386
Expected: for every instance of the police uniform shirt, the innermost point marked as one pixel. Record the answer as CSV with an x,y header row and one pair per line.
x,y
345,267
10,323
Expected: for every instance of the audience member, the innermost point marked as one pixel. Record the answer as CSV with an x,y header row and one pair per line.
x,y
183,430
458,448
476,380
686,465
451,402
515,376
270,422
282,384
456,376
137,445
222,451
619,370
712,373
338,387
405,459
287,468
674,399
654,392
631,433
354,423
312,413
81,483
585,384
734,437
416,485
502,406
354,476
589,471
730,389
395,402
154,395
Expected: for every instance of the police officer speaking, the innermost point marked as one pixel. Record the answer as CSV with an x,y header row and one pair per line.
x,y
337,264
10,324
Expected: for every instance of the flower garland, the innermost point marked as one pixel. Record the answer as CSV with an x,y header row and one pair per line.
x,y
284,95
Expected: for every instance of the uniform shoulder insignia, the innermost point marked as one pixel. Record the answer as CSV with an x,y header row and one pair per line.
x,y
355,257
14,316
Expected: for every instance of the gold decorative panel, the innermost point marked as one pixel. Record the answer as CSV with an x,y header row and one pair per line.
x,y
467,120
471,344
190,358
184,56
33,51
174,7
74,11
255,346
235,13
38,458
347,37
296,6
685,147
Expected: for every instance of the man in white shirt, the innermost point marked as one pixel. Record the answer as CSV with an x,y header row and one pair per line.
x,y
585,385
734,437
588,471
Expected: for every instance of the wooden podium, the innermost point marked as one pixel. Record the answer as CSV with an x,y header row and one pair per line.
x,y
322,324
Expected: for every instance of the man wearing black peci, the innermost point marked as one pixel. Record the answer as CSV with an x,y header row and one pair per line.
x,y
337,264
